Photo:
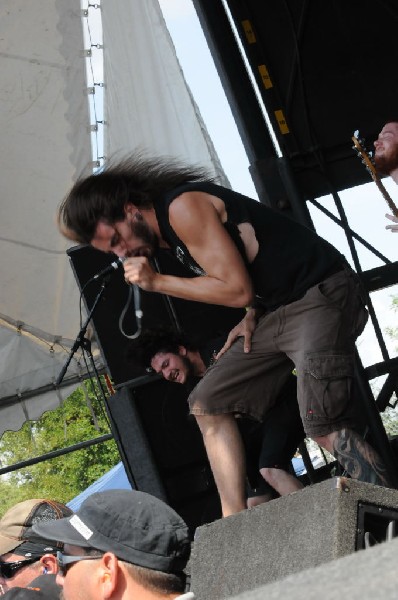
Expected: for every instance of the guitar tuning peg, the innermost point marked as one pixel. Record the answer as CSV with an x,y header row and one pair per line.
x,y
356,133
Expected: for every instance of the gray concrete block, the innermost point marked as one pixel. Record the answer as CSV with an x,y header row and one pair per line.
x,y
365,575
288,535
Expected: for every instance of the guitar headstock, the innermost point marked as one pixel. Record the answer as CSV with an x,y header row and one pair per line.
x,y
365,156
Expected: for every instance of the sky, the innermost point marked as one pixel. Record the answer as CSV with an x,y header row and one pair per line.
x,y
202,78
364,205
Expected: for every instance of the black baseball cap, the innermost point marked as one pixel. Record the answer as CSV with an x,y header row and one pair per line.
x,y
137,527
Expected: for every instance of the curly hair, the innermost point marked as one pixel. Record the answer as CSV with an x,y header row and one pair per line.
x,y
152,341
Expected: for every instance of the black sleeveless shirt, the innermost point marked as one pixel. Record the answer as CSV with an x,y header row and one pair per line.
x,y
291,257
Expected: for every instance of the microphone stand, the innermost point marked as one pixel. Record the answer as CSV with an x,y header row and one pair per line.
x,y
81,341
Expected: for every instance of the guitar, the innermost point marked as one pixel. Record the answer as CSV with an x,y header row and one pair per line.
x,y
367,160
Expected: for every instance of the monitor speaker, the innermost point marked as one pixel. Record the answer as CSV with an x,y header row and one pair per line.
x,y
163,448
306,529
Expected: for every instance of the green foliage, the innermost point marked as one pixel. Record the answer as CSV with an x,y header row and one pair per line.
x,y
392,332
390,415
390,421
80,418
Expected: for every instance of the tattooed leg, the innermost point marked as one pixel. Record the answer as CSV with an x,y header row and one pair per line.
x,y
356,456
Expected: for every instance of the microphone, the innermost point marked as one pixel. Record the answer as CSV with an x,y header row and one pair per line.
x,y
112,267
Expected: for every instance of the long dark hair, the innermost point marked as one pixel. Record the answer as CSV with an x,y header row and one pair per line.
x,y
102,196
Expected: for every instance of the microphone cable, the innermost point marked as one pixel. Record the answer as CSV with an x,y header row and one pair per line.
x,y
138,312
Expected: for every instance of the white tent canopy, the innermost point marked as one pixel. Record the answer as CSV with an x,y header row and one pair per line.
x,y
45,143
45,124
148,104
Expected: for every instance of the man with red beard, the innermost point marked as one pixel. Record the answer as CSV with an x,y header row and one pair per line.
x,y
386,158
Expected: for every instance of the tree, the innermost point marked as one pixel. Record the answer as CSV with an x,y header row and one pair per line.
x,y
81,417
390,415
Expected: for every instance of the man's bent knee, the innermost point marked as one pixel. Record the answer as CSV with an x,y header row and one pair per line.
x,y
270,475
210,424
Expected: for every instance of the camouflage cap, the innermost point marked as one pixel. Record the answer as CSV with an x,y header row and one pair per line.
x,y
16,525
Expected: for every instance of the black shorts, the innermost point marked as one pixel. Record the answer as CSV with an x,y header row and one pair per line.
x,y
274,442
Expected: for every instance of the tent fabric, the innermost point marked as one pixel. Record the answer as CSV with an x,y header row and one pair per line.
x,y
45,123
18,350
148,105
115,479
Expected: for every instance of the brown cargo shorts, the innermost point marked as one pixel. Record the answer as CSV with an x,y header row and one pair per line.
x,y
316,335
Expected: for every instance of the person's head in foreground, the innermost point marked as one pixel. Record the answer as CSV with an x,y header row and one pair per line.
x,y
121,544
24,555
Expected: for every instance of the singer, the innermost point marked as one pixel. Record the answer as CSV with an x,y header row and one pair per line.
x,y
305,306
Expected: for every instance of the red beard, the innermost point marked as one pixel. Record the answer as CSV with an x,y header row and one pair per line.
x,y
387,162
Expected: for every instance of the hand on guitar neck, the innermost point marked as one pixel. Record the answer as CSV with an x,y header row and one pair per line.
x,y
395,221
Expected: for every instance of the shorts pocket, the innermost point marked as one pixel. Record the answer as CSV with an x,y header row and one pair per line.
x,y
328,380
334,291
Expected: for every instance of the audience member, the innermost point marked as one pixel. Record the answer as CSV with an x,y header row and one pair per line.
x,y
122,544
28,563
